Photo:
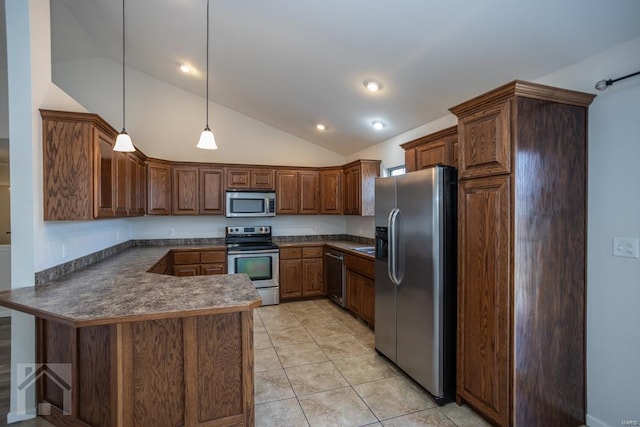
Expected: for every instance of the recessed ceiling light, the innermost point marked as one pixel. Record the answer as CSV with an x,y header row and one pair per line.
x,y
320,126
373,85
378,124
186,68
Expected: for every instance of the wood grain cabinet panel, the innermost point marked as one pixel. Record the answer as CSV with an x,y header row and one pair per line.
x,y
290,278
211,191
263,179
436,148
360,283
247,178
312,277
484,321
359,187
287,192
331,192
186,191
158,188
83,177
487,142
309,192
522,255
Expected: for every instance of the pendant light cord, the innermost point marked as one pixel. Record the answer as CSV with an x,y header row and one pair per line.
x,y
123,74
207,97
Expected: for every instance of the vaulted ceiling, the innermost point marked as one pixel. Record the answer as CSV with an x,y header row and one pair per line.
x,y
295,63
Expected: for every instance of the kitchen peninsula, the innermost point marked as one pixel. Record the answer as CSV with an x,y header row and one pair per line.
x,y
144,348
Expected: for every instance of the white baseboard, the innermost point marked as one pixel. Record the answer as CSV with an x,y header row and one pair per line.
x,y
594,422
13,417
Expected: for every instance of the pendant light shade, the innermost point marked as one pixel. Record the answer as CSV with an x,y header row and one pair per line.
x,y
123,141
207,140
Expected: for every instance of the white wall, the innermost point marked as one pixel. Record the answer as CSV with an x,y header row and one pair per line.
x,y
165,121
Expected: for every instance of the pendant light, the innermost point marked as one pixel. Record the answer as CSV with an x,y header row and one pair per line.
x,y
207,140
123,141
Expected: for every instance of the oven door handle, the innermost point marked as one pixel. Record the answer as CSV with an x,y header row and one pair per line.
x,y
256,252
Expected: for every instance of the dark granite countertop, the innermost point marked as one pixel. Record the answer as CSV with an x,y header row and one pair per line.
x,y
119,289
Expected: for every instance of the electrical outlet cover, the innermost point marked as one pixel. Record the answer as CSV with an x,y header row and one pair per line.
x,y
625,247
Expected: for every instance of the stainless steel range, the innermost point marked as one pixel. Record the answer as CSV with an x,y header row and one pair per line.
x,y
251,251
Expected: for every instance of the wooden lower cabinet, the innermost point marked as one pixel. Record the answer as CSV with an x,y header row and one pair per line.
x,y
186,371
360,284
197,263
301,272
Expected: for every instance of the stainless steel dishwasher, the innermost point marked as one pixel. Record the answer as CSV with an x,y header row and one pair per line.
x,y
335,276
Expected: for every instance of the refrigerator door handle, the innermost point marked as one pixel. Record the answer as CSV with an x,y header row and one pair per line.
x,y
392,265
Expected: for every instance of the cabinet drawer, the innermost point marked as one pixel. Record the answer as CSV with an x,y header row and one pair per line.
x,y
290,253
210,269
312,252
213,257
364,266
186,258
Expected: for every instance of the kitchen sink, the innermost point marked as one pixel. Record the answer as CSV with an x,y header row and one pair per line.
x,y
369,250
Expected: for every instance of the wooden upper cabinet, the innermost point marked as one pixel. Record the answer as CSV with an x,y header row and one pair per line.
x,y
287,192
186,194
250,179
211,191
486,141
83,177
359,187
331,192
158,188
437,148
309,192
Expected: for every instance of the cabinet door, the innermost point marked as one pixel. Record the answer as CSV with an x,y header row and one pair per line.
x,y
309,191
287,192
485,140
122,184
210,269
430,155
312,277
158,189
186,270
290,278
185,191
211,191
331,192
484,295
104,167
238,178
368,300
354,286
263,179
352,191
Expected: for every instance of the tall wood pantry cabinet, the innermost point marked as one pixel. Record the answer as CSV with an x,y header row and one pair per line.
x,y
522,254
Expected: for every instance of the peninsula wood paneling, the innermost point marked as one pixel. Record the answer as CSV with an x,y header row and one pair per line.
x,y
94,369
57,346
220,374
158,373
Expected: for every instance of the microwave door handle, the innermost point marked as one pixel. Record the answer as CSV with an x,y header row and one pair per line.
x,y
266,205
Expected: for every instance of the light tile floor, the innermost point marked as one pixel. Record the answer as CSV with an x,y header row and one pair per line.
x,y
315,365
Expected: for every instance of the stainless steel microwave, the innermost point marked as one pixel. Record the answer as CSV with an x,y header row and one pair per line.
x,y
250,203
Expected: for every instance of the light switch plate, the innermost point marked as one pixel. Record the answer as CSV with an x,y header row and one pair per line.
x,y
625,247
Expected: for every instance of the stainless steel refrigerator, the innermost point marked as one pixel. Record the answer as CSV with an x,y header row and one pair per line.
x,y
415,305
